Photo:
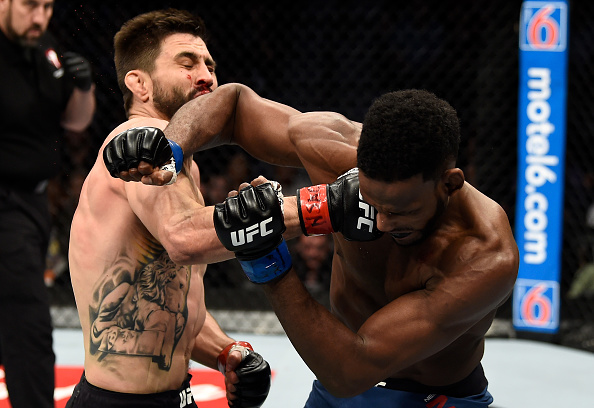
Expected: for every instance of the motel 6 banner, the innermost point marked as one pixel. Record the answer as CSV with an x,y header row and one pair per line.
x,y
544,28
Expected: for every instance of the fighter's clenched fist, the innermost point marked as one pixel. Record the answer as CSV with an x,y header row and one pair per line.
x,y
337,207
250,376
125,153
251,224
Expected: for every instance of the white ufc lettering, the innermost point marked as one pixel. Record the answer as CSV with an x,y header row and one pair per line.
x,y
246,235
369,212
185,397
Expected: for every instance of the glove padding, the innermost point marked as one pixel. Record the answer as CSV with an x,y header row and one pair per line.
x,y
338,207
254,381
79,68
127,149
251,224
253,373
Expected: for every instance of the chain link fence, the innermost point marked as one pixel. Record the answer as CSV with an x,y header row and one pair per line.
x,y
339,56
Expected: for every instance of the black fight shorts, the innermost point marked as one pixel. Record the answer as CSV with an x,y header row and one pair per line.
x,y
88,396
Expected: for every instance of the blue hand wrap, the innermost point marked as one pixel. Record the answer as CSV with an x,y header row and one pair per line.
x,y
178,155
264,269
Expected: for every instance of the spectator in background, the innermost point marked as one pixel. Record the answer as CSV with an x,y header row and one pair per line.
x,y
44,92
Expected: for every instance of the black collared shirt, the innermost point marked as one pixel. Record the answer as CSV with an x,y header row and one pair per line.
x,y
33,95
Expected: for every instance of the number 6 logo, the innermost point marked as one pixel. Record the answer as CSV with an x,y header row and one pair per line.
x,y
542,23
543,26
536,307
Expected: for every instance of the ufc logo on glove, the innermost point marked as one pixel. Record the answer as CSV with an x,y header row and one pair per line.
x,y
337,207
368,217
246,235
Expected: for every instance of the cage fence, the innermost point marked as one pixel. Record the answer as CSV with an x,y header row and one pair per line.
x,y
339,56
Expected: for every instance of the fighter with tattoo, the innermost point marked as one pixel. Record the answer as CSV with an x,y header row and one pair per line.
x,y
138,254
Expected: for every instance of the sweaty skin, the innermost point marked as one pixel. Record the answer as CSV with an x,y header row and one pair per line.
x,y
401,307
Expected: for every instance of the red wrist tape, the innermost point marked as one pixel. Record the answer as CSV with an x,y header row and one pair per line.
x,y
314,215
222,358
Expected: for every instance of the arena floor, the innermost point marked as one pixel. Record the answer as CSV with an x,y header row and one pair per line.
x,y
522,373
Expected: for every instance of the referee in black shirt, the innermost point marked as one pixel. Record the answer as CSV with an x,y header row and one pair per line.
x,y
42,92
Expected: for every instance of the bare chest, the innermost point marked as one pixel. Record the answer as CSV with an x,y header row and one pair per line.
x,y
367,276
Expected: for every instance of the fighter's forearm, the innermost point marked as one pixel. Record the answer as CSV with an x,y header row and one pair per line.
x,y
193,240
189,238
291,218
235,114
329,348
209,343
205,121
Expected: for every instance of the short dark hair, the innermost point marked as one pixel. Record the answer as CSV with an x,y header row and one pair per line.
x,y
138,43
406,133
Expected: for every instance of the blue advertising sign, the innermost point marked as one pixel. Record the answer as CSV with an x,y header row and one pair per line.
x,y
541,163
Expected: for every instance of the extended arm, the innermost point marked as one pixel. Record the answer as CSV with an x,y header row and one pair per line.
x,y
175,217
182,224
324,143
235,114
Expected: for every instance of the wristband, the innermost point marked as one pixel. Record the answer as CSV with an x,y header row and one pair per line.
x,y
170,167
314,215
243,347
178,155
264,269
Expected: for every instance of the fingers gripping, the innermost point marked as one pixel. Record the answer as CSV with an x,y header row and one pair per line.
x,y
253,372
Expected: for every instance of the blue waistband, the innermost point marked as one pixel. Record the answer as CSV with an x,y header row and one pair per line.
x,y
473,384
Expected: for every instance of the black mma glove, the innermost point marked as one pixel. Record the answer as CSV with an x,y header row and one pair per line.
x,y
251,224
253,372
149,144
337,207
79,69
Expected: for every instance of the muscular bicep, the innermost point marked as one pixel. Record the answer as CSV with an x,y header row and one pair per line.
x,y
420,324
261,128
326,143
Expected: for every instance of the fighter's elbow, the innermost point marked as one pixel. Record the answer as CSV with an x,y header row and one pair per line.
x,y
175,243
346,381
345,388
179,257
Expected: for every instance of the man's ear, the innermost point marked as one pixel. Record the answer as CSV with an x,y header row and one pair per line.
x,y
140,84
453,179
